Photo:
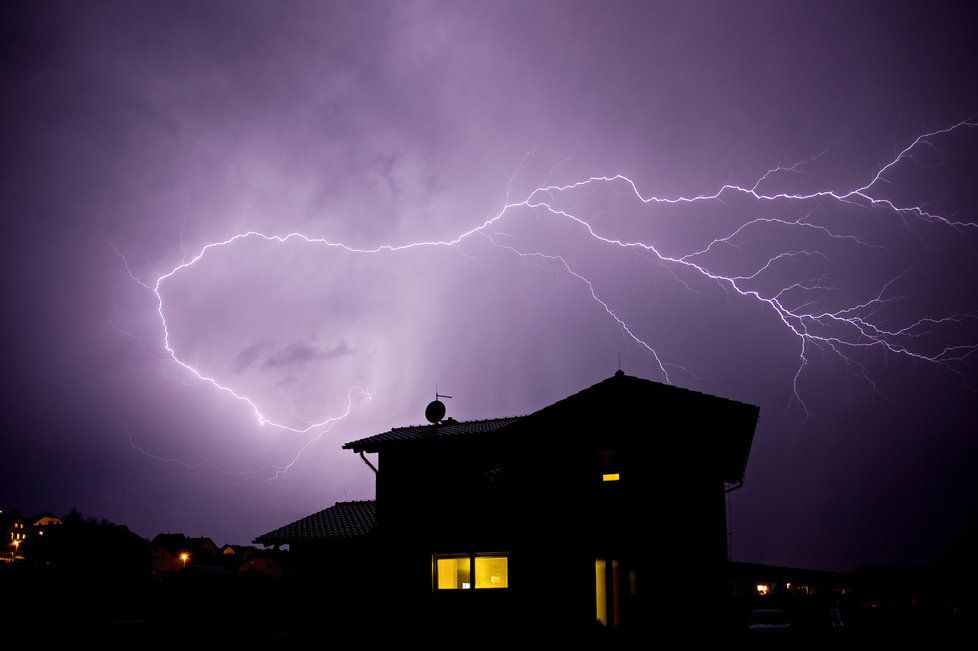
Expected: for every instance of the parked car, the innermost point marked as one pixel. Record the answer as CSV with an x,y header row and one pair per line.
x,y
768,619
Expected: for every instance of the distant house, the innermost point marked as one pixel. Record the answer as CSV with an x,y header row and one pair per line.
x,y
170,552
15,531
267,563
234,557
46,519
43,523
202,545
603,511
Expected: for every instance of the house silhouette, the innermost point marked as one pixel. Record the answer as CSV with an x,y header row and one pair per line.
x,y
603,513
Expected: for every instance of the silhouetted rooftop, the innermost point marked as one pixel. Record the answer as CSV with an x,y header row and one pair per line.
x,y
342,520
617,391
172,542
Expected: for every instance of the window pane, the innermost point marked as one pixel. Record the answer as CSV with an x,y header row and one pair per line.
x,y
491,572
601,591
453,574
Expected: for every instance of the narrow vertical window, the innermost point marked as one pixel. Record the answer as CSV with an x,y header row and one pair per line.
x,y
601,591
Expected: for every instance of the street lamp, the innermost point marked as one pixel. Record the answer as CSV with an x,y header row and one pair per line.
x,y
185,557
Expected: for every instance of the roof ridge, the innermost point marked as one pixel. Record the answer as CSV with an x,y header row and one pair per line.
x,y
457,422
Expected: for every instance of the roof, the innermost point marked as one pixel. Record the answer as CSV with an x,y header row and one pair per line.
x,y
620,392
732,440
45,514
172,542
343,520
445,429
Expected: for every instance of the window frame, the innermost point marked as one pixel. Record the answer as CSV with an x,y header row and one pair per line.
x,y
435,557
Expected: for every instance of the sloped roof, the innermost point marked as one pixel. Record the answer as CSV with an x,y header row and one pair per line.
x,y
172,542
619,392
343,520
445,429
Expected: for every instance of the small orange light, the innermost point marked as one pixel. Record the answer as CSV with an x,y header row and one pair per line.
x,y
763,589
611,476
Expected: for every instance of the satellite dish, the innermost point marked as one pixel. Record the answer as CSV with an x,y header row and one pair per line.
x,y
435,411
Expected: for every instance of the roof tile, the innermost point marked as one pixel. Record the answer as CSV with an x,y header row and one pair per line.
x,y
342,520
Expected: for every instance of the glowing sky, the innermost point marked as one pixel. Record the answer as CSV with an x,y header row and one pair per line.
x,y
497,200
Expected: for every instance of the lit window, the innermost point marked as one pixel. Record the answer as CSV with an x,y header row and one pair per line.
x,y
491,572
601,591
456,572
763,589
611,476
608,592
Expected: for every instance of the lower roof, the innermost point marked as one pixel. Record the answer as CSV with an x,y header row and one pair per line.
x,y
342,521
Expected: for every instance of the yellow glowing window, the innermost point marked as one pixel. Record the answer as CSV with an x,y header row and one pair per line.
x,y
608,579
491,572
601,591
456,572
610,476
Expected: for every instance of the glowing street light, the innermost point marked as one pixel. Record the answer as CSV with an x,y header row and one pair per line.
x,y
185,557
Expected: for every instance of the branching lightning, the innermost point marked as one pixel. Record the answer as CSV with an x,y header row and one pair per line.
x,y
840,332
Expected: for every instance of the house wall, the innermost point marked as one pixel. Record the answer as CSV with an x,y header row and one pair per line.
x,y
537,494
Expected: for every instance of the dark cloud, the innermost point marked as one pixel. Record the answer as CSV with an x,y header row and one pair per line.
x,y
300,353
162,126
293,356
249,356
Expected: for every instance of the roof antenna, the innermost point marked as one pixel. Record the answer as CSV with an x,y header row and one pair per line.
x,y
435,410
619,372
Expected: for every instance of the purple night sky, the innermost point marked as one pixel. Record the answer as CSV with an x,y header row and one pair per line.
x,y
135,134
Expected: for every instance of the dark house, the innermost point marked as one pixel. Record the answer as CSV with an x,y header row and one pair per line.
x,y
604,511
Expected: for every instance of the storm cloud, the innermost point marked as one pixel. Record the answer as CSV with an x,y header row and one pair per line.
x,y
153,130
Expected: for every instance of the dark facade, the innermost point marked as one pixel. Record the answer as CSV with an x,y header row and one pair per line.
x,y
566,520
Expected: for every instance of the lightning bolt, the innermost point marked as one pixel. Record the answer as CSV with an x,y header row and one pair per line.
x,y
840,332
